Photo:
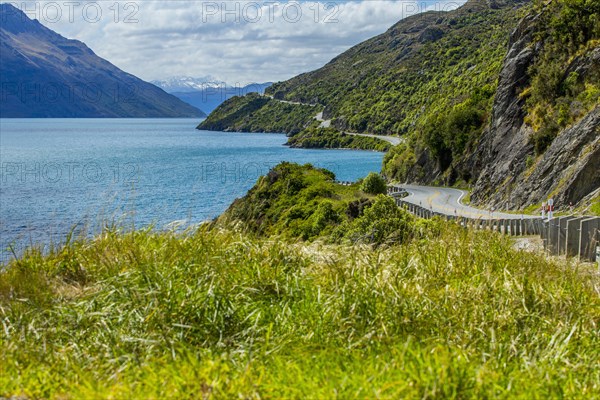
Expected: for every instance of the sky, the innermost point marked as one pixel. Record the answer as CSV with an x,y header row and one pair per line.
x,y
238,42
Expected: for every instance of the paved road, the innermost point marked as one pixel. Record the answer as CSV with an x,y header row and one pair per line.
x,y
394,140
290,102
326,123
448,201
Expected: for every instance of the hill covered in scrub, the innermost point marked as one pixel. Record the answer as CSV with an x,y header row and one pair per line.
x,y
244,308
500,95
256,113
541,138
304,202
421,66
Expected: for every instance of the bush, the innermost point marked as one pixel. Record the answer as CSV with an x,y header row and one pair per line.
x,y
330,138
399,162
374,184
383,222
298,201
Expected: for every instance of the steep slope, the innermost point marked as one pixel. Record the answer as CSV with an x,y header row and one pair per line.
x,y
46,75
542,139
420,67
544,136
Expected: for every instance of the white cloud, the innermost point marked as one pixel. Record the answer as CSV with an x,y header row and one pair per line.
x,y
229,40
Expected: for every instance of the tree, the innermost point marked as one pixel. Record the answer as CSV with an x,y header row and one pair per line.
x,y
382,221
374,184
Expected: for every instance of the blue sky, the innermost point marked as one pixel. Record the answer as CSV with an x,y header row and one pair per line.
x,y
233,41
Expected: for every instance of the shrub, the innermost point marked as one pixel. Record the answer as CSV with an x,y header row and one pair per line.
x,y
383,222
374,184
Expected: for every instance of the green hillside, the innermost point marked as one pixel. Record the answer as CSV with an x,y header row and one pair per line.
x,y
421,67
256,113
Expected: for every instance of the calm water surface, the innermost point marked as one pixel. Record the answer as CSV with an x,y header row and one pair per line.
x,y
57,174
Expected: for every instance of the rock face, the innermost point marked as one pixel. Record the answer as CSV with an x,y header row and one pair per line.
x,y
567,171
43,74
570,169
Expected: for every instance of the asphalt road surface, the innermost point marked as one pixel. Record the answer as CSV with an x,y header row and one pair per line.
x,y
326,123
394,140
448,201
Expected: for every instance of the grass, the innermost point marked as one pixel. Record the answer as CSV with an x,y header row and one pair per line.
x,y
533,209
216,313
595,207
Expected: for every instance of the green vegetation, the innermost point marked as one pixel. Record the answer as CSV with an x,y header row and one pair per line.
x,y
569,30
256,113
421,67
304,202
374,184
433,78
425,66
448,136
433,311
399,161
330,138
595,206
294,201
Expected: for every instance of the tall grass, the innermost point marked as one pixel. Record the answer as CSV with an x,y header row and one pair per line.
x,y
215,313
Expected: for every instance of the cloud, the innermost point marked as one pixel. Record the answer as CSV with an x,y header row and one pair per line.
x,y
235,41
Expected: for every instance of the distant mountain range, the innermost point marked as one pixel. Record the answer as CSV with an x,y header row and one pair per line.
x,y
207,93
182,84
43,74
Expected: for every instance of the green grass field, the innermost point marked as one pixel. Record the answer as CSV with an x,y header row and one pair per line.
x,y
216,313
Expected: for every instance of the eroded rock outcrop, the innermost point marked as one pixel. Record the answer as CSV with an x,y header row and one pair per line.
x,y
509,176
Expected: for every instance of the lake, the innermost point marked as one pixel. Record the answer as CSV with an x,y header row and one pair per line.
x,y
60,174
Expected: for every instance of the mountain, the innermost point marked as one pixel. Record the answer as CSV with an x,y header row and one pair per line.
x,y
419,67
43,74
207,93
499,95
539,138
184,84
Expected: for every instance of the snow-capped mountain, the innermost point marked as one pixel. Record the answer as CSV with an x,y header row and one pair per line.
x,y
207,92
184,84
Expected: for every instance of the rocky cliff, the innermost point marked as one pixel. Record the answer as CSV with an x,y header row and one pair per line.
x,y
510,173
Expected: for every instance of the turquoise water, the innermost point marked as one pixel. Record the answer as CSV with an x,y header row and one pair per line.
x,y
59,174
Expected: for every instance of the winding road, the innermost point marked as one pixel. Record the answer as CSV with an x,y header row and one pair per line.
x,y
448,201
394,140
442,200
326,123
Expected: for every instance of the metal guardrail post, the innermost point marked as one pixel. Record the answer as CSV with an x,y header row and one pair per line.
x,y
589,238
572,237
